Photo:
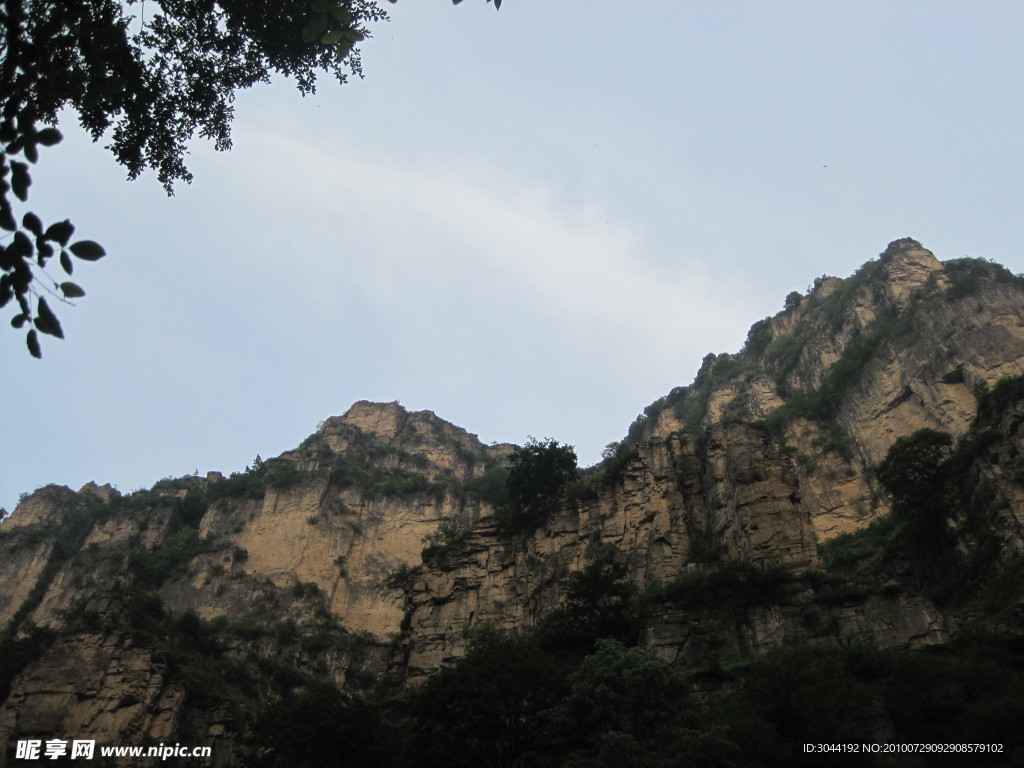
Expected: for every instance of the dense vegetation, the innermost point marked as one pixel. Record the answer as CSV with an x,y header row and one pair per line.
x,y
512,702
538,474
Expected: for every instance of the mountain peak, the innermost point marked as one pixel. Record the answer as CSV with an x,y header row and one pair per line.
x,y
908,265
384,419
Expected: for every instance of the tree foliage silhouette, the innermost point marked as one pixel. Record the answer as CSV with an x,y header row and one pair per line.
x,y
538,472
147,77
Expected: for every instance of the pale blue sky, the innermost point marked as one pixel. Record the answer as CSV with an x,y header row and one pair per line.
x,y
533,222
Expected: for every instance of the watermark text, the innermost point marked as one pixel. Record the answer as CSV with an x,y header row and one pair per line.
x,y
51,749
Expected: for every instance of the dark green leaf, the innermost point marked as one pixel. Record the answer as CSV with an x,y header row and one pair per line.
x,y
321,6
20,247
72,291
21,278
65,262
18,320
44,249
49,136
342,50
31,152
333,36
33,344
7,217
46,321
60,232
87,250
45,326
314,27
20,180
32,223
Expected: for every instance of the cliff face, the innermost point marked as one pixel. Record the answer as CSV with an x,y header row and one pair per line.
x,y
170,613
904,344
680,501
292,553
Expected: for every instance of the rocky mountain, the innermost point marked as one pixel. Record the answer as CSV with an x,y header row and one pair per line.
x,y
742,515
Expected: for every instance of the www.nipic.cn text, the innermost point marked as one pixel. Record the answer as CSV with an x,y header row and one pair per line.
x,y
85,749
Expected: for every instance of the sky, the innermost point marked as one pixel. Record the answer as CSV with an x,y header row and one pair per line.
x,y
533,222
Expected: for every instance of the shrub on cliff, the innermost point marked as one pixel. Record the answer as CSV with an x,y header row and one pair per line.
x,y
491,708
450,534
759,336
490,486
629,709
281,474
538,473
250,484
915,472
993,402
597,605
918,472
319,726
153,568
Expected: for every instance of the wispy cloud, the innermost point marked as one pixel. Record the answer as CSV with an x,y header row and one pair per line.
x,y
430,235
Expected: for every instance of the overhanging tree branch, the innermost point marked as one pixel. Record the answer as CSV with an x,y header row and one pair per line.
x,y
148,84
